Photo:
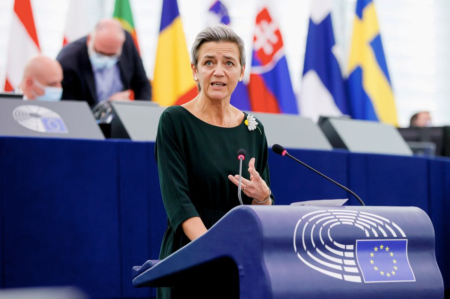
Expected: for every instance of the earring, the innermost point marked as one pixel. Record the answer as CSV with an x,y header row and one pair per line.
x,y
240,79
195,78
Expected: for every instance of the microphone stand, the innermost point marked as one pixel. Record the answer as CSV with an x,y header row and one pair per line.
x,y
240,177
324,176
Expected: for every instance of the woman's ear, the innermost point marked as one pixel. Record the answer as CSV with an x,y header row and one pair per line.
x,y
241,77
194,72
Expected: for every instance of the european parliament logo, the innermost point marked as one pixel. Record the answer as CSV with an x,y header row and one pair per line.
x,y
384,260
39,119
380,255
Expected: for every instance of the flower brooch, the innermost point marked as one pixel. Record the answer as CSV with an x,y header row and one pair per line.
x,y
251,123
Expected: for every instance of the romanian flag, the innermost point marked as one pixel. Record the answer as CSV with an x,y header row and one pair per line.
x,y
122,12
369,86
270,87
173,83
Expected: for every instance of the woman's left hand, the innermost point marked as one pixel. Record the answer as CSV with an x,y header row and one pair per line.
x,y
256,187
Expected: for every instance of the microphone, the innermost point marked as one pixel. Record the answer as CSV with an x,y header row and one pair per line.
x,y
241,157
278,149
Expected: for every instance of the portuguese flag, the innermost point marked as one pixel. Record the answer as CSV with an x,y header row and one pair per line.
x,y
122,12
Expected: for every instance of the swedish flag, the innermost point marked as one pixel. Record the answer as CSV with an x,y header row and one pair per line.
x,y
369,85
384,260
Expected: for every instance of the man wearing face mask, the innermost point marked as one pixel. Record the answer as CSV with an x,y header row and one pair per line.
x,y
42,79
103,66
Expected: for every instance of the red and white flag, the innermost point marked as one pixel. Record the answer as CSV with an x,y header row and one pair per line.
x,y
77,24
23,43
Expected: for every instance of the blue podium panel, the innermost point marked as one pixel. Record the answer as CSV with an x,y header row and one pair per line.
x,y
60,217
69,209
291,182
321,252
389,180
439,209
142,214
2,212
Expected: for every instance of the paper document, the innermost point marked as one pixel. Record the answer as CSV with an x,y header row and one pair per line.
x,y
321,202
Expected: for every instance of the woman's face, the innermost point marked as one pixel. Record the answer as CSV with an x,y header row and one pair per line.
x,y
218,69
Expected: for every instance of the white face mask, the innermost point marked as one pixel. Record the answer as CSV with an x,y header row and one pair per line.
x,y
99,61
51,94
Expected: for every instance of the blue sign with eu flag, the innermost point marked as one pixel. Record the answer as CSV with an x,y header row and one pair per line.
x,y
384,260
54,125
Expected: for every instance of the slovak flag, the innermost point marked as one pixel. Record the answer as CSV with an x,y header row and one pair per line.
x,y
219,15
270,86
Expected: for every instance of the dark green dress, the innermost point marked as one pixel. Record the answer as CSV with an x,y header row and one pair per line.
x,y
194,161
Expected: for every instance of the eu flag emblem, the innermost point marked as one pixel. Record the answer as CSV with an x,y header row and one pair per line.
x,y
384,260
54,125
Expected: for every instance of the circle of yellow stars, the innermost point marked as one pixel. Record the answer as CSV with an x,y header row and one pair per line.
x,y
382,248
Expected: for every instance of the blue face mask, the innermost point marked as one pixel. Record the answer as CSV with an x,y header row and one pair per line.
x,y
51,94
101,62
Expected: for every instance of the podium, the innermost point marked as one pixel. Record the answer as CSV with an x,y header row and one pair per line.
x,y
285,252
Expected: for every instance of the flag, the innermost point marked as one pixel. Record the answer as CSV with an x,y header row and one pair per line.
x,y
384,260
122,12
173,83
369,86
77,24
323,89
219,15
23,43
270,87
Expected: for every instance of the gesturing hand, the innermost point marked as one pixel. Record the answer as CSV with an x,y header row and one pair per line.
x,y
256,187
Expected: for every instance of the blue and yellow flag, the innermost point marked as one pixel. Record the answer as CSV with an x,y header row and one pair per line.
x,y
384,260
369,86
173,83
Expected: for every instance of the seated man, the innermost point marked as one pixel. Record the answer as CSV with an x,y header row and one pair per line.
x,y
103,66
421,119
42,79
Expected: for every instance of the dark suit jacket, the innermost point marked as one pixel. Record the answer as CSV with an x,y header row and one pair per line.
x,y
79,80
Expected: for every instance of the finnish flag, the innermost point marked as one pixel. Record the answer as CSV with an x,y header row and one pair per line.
x,y
322,91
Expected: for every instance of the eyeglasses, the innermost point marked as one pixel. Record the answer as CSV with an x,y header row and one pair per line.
x,y
92,51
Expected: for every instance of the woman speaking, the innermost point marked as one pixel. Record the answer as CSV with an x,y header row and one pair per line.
x,y
196,147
